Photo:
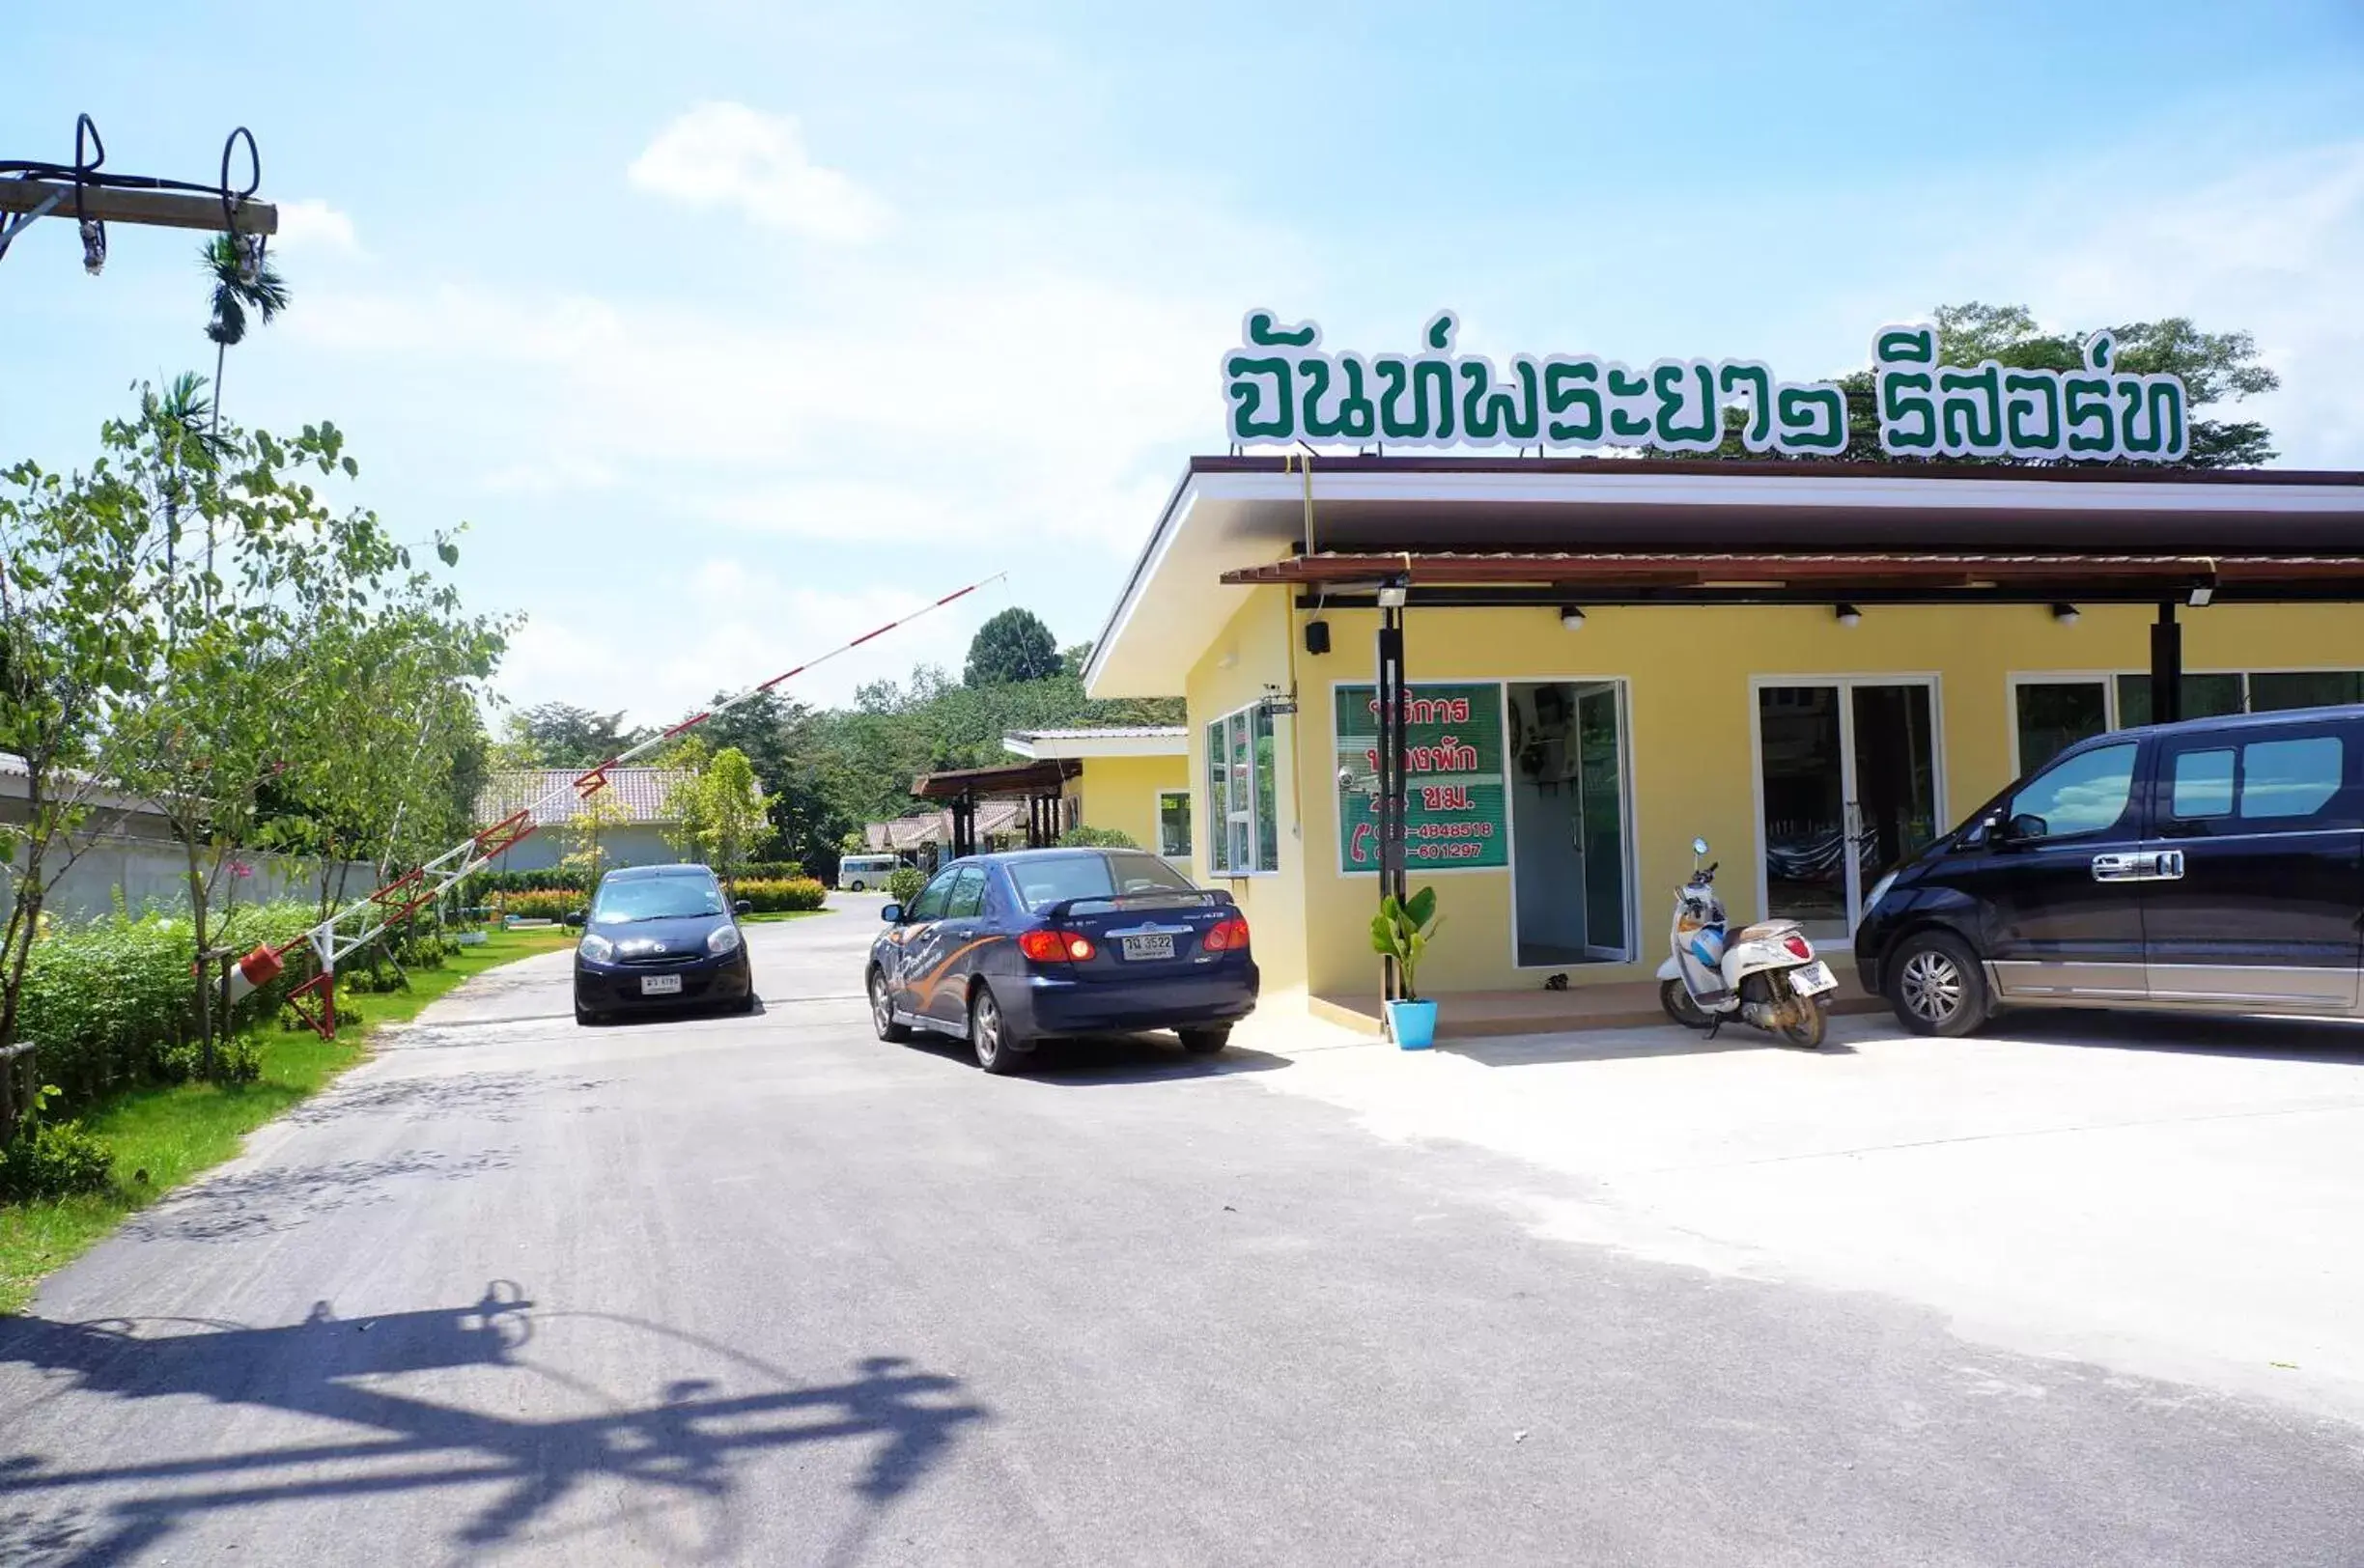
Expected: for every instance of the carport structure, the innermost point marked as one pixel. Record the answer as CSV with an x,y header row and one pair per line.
x,y
1042,785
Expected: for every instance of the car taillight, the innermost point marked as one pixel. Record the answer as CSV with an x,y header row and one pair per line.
x,y
1797,945
1055,947
1228,937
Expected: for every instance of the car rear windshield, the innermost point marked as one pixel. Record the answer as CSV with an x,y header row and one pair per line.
x,y
1094,876
655,898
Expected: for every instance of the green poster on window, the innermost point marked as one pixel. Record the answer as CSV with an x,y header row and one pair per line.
x,y
1457,814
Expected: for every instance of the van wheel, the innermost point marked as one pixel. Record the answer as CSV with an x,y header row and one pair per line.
x,y
1936,985
1204,1042
858,887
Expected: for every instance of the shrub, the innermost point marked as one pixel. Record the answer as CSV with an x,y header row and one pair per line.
x,y
544,903
1082,837
52,1160
774,894
905,884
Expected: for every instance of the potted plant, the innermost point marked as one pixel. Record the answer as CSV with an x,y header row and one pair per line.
x,y
1401,931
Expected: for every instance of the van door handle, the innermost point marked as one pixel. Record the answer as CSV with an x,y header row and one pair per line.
x,y
2122,867
2167,866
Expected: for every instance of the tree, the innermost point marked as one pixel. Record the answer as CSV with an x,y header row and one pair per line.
x,y
1011,647
593,820
76,555
238,286
722,811
561,735
2216,367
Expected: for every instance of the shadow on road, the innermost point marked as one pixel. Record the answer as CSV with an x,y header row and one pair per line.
x,y
1624,1045
681,1445
1090,1060
2254,1037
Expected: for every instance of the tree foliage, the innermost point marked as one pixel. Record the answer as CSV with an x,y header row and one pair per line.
x,y
561,735
1012,647
719,810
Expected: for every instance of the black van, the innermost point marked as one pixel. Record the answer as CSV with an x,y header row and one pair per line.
x,y
2214,865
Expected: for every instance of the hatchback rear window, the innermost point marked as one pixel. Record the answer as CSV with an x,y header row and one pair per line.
x,y
1094,876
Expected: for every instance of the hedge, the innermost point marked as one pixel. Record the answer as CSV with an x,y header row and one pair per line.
x,y
773,894
573,879
113,1002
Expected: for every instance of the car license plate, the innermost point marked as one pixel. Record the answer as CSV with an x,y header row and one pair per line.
x,y
1811,979
660,984
1140,947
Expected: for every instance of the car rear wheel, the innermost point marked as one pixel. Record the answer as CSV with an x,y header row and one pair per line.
x,y
882,1011
1205,1042
989,1035
1936,985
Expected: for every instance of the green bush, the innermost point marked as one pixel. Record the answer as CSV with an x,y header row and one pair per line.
x,y
484,886
905,884
53,1160
544,903
1081,837
774,894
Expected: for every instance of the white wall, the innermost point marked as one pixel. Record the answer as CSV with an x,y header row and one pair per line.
x,y
638,844
152,876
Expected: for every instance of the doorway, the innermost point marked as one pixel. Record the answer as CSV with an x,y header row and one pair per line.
x,y
1569,883
1847,787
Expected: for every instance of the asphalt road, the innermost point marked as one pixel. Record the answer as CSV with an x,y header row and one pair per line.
x,y
765,1290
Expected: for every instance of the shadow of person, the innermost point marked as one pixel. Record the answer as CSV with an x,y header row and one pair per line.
x,y
684,1444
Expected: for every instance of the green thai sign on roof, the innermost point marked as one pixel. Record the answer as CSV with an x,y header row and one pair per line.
x,y
1280,387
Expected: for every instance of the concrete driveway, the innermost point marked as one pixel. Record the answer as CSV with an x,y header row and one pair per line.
x,y
2175,1197
763,1290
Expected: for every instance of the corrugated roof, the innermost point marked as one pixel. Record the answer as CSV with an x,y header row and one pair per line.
x,y
1113,732
640,792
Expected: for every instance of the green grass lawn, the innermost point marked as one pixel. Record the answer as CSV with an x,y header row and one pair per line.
x,y
781,915
163,1136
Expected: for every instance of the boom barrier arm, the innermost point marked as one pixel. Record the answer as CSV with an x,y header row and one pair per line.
x,y
350,928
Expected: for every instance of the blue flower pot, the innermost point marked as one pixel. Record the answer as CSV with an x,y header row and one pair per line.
x,y
1413,1024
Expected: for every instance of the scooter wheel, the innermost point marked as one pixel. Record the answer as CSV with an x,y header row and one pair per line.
x,y
1807,1032
1675,999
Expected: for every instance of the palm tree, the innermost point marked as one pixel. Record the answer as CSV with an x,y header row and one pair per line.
x,y
236,289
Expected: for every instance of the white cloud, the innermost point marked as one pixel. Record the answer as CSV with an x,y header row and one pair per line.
x,y
727,154
312,224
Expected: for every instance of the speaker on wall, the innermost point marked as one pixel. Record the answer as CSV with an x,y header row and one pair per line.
x,y
1317,636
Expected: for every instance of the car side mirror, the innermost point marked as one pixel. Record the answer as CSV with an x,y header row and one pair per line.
x,y
743,907
573,917
2026,825
892,914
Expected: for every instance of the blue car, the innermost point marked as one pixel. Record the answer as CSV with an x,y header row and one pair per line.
x,y
1006,950
657,938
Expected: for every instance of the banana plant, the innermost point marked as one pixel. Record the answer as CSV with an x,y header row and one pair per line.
x,y
1401,930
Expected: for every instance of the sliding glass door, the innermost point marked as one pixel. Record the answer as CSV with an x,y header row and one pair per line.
x,y
1848,787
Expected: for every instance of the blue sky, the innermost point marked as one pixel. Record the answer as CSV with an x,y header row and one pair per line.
x,y
733,330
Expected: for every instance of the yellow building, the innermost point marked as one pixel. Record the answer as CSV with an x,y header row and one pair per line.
x,y
1134,779
1817,666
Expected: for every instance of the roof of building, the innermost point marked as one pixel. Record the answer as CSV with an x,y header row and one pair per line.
x,y
15,775
1015,780
907,834
641,792
1106,740
1232,514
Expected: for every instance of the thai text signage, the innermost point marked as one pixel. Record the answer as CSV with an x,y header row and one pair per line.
x,y
1457,811
1279,385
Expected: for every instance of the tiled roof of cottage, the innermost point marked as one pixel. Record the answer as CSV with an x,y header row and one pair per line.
x,y
640,792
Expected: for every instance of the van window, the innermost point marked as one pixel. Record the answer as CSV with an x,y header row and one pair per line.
x,y
2204,784
2290,778
2083,794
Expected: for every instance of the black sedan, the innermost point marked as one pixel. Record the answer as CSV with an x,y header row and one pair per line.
x,y
1005,950
659,937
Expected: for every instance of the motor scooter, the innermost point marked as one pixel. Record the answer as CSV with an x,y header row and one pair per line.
x,y
1765,975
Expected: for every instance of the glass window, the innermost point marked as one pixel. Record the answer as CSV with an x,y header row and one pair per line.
x,y
1218,797
2204,697
1174,824
1267,814
968,898
2054,716
1054,878
2083,794
2290,778
932,899
2275,691
1240,826
625,900
1242,811
2203,783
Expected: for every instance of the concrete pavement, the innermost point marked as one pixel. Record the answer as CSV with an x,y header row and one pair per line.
x,y
765,1290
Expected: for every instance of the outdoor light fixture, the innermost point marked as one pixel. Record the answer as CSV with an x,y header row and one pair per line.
x,y
1571,617
1391,594
2065,614
2201,596
1848,614
93,246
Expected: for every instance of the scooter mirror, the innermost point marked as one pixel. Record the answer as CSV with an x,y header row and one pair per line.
x,y
1699,846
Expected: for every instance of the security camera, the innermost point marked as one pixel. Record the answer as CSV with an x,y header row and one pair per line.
x,y
1345,778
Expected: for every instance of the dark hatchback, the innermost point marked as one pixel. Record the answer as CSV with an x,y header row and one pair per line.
x,y
2215,866
1005,950
657,938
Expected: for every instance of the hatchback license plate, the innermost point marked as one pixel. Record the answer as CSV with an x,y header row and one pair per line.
x,y
660,984
1811,979
1139,947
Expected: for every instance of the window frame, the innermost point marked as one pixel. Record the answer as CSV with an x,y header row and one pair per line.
x,y
2116,825
1235,772
2114,719
1189,823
